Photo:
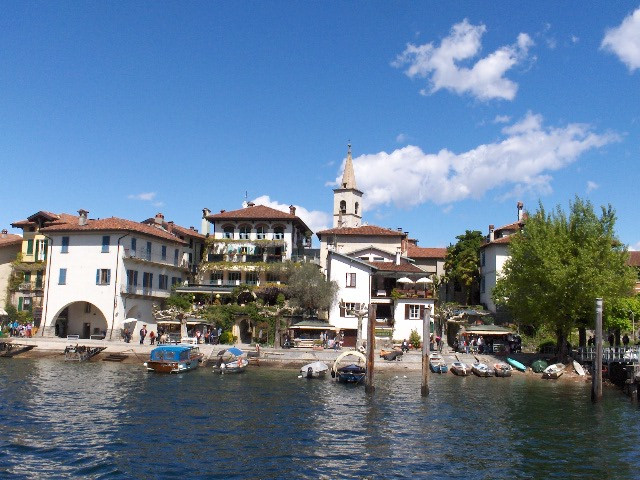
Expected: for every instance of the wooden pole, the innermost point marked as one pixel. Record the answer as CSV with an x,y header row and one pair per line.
x,y
596,387
426,324
371,345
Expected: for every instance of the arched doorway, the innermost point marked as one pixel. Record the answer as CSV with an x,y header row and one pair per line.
x,y
83,319
246,331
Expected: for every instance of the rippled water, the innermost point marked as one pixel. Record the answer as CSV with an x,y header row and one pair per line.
x,y
105,420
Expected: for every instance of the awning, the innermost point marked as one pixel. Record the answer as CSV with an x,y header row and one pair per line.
x,y
3,312
312,325
487,330
168,322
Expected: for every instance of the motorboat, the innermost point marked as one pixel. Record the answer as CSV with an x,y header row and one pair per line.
x,y
230,360
502,369
395,354
81,353
460,368
482,370
516,364
553,371
314,370
539,365
352,373
579,368
174,358
437,363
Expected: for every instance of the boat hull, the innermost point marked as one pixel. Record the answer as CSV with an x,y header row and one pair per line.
x,y
435,368
516,364
350,377
482,372
553,371
461,370
502,371
237,366
173,367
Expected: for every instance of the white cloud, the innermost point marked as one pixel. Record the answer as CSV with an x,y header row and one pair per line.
x,y
635,247
502,119
591,186
574,39
440,65
147,197
315,219
402,138
521,161
624,41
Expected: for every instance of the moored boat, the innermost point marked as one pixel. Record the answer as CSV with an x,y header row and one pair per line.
x,y
502,369
481,370
578,368
231,360
553,371
314,370
174,358
539,365
460,368
437,363
516,364
351,373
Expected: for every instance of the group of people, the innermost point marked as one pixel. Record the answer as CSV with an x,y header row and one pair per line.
x,y
16,329
208,335
591,341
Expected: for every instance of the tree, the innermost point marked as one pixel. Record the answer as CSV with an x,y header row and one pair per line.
x,y
559,265
310,290
462,262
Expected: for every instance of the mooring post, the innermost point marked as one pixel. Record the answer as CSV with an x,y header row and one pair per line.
x,y
596,387
426,326
371,345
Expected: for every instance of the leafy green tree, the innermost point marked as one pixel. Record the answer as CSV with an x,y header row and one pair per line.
x,y
618,314
559,265
310,290
462,263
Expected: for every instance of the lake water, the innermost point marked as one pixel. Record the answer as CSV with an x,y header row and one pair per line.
x,y
104,420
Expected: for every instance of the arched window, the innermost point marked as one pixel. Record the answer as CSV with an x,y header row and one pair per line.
x,y
228,232
343,207
357,206
261,232
278,233
245,232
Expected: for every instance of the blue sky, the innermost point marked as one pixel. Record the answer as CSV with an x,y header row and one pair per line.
x,y
455,110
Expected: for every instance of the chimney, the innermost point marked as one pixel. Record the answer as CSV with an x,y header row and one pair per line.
x,y
4,233
159,219
191,228
222,211
205,212
251,204
398,252
399,229
491,234
292,210
520,207
204,224
82,220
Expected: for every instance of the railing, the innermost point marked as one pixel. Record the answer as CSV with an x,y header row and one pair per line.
x,y
401,293
25,286
156,257
143,291
244,258
609,354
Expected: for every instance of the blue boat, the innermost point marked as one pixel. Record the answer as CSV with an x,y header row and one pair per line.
x,y
351,373
174,358
516,364
437,363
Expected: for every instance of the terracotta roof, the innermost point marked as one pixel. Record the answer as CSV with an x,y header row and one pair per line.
x,y
498,241
426,252
111,224
10,239
392,267
257,212
172,227
515,226
363,230
634,258
48,217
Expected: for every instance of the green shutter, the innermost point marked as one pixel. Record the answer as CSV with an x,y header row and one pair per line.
x,y
30,247
19,304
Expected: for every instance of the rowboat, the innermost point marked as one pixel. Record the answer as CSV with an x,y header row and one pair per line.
x,y
516,364
351,373
174,359
502,369
394,354
553,371
314,370
539,365
231,360
578,368
81,353
481,370
437,363
459,368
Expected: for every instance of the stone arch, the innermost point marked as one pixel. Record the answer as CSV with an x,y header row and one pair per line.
x,y
80,318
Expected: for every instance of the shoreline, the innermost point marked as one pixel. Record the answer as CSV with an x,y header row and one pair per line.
x,y
47,347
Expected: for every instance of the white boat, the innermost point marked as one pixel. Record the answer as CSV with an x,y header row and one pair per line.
x,y
231,360
481,370
578,368
460,368
314,370
502,369
437,363
553,371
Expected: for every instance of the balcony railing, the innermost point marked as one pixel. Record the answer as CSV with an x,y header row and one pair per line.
x,y
245,258
401,293
144,291
155,257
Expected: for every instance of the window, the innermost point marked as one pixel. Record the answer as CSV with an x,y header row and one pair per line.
x,y
39,274
134,246
24,304
147,280
273,277
132,278
228,232
87,307
175,256
215,278
482,284
278,233
482,258
106,240
163,282
175,281
103,276
251,278
348,309
62,277
343,207
357,206
414,312
351,279
261,232
30,247
27,277
234,278
245,232
164,252
65,245
148,256
41,250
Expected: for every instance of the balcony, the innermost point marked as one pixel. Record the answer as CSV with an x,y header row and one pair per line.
x,y
137,290
401,293
30,286
245,258
155,257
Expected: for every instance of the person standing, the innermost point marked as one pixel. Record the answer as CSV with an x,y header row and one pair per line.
x,y
625,340
143,333
152,337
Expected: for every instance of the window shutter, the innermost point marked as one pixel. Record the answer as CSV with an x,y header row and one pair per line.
x,y
109,276
421,311
406,312
19,304
98,277
342,312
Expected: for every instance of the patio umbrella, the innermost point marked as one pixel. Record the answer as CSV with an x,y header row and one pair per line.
x,y
404,280
424,280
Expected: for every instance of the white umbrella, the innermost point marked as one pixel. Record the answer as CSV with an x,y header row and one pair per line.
x,y
424,280
404,280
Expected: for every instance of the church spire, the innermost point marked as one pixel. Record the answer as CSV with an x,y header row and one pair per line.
x,y
348,177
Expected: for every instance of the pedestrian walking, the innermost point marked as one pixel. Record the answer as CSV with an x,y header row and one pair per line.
x,y
143,333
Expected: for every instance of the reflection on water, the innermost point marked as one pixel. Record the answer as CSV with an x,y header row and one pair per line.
x,y
104,420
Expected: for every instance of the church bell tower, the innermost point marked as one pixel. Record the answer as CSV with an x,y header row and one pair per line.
x,y
347,199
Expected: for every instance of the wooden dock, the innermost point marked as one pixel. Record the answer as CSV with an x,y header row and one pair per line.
x,y
8,349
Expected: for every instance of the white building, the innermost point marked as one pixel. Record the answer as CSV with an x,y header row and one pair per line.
x,y
105,275
493,254
10,246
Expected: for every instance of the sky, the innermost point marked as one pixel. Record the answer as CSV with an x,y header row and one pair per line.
x,y
455,111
